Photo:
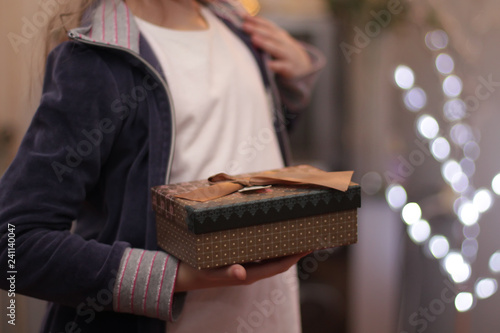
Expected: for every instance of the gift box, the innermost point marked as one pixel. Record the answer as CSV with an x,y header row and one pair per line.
x,y
255,216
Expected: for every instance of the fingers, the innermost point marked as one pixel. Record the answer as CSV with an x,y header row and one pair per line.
x,y
268,37
281,67
239,272
265,31
234,273
270,268
274,48
290,58
262,21
189,278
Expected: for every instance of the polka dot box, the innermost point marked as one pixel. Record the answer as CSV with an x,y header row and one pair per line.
x,y
246,227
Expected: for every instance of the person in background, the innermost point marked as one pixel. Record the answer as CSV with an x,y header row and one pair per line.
x,y
139,94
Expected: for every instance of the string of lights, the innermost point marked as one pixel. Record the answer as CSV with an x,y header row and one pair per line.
x,y
457,172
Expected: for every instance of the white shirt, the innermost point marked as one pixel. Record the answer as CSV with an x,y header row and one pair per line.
x,y
224,124
223,118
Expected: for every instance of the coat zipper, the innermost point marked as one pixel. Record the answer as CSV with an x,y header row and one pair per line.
x,y
159,78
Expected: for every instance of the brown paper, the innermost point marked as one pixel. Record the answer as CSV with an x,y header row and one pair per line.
x,y
225,184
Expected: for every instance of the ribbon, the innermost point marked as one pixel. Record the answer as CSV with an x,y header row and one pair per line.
x,y
224,184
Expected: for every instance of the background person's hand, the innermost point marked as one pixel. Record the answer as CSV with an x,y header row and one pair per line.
x,y
190,278
290,59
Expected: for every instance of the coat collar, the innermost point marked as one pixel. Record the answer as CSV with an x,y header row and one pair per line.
x,y
110,22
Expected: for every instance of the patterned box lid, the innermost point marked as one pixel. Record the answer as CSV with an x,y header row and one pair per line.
x,y
280,202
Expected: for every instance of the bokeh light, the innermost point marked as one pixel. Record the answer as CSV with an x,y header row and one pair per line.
x,y
483,200
485,288
468,166
436,40
371,183
415,99
460,182
464,301
456,266
444,64
449,169
427,126
439,246
419,231
494,262
468,213
471,231
440,148
455,109
404,77
495,184
470,247
461,134
411,213
395,196
452,260
472,150
457,173
462,273
452,86
458,203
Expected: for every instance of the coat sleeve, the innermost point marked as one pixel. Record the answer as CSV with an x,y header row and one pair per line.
x,y
44,188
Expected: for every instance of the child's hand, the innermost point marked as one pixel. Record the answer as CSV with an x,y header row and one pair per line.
x,y
290,60
189,278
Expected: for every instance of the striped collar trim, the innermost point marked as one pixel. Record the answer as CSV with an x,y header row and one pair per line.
x,y
111,23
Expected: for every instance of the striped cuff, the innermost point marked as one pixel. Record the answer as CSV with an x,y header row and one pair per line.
x,y
145,285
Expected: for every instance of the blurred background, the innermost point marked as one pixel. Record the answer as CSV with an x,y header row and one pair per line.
x,y
409,101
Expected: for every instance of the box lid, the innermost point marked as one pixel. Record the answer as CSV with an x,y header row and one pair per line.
x,y
237,210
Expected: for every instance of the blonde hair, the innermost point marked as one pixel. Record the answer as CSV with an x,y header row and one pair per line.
x,y
67,17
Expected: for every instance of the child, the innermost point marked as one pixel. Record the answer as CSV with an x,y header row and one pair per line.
x,y
147,93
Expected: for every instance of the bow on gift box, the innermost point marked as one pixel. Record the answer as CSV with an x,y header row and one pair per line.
x,y
224,184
